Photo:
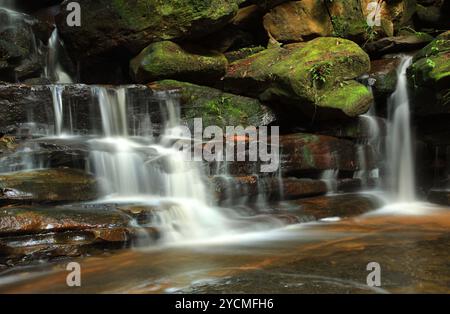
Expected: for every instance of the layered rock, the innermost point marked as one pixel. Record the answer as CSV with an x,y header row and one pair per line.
x,y
314,78
168,60
47,186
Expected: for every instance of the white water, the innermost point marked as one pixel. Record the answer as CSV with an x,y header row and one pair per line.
x,y
53,69
330,177
400,149
143,171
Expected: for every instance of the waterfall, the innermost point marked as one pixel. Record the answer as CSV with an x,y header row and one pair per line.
x,y
53,68
400,150
139,169
330,177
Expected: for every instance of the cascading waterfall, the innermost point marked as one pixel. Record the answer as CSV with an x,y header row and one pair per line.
x,y
400,150
141,170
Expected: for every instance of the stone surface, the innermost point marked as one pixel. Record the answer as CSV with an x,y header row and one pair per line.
x,y
216,107
47,186
307,79
430,75
298,21
120,25
384,72
441,197
168,60
397,44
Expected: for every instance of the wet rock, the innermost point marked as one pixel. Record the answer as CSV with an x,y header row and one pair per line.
x,y
232,189
347,19
298,21
21,36
301,151
47,186
313,78
36,219
384,74
397,44
345,205
362,128
216,107
430,75
122,26
242,53
441,197
168,60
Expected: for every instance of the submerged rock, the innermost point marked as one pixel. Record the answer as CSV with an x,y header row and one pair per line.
x,y
216,107
313,78
343,206
47,186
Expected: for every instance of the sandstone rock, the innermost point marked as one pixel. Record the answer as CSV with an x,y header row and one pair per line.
x,y
216,107
47,186
310,78
167,60
298,21
384,72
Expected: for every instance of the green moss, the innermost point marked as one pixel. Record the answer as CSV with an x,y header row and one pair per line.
x,y
288,73
216,107
167,60
352,98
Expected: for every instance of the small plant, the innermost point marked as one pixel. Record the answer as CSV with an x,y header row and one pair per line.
x,y
320,71
430,63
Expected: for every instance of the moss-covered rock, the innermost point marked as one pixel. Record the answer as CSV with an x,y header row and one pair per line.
x,y
298,21
384,74
347,19
108,25
430,75
309,76
44,186
216,107
168,60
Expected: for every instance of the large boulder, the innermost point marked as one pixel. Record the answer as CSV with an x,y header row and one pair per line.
x,y
47,186
216,107
402,43
121,25
168,60
430,75
347,19
298,21
314,77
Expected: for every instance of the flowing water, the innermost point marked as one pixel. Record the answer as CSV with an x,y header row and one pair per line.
x,y
400,139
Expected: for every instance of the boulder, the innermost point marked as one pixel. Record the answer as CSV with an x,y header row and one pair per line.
x,y
47,186
430,75
168,60
436,15
310,78
121,25
347,19
298,21
216,107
